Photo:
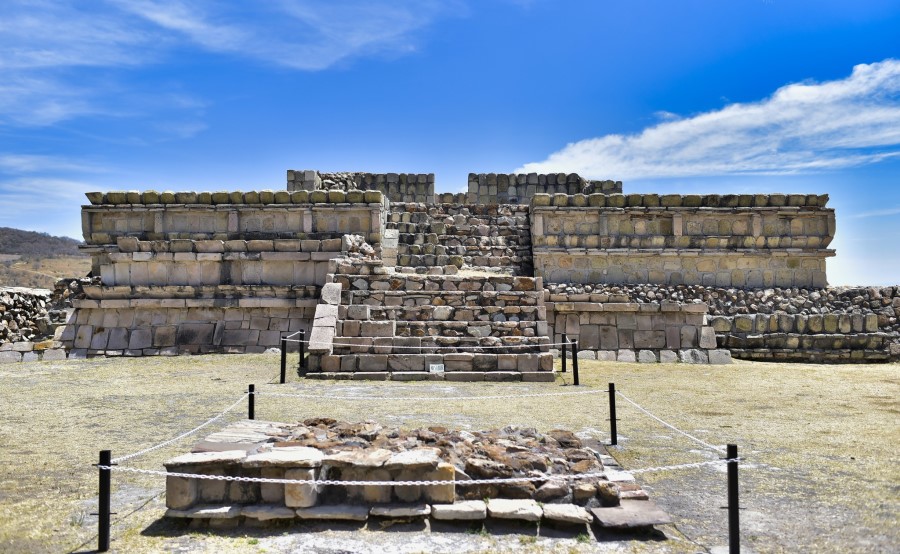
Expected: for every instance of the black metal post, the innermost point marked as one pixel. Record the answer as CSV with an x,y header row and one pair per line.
x,y
575,361
283,359
301,364
613,433
565,341
103,507
251,402
734,530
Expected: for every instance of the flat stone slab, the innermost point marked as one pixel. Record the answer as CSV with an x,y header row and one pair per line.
x,y
342,512
567,513
206,511
401,510
288,456
207,458
526,510
266,512
467,510
631,514
415,458
374,457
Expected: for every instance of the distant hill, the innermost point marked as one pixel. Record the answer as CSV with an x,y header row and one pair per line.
x,y
29,244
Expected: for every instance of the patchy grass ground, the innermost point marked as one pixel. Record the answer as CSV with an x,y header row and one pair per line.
x,y
17,271
819,441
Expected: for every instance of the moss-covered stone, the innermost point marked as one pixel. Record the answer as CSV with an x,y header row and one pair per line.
x,y
185,197
615,200
540,199
374,196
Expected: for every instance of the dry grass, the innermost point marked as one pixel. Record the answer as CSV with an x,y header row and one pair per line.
x,y
41,272
819,441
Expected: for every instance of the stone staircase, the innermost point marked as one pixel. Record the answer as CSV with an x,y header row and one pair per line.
x,y
388,324
493,238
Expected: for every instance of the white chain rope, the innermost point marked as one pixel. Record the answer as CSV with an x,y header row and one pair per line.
x,y
183,435
424,398
325,482
670,426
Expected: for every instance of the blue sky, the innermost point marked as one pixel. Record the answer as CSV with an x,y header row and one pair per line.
x,y
688,96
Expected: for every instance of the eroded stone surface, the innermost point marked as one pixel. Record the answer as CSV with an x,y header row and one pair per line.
x,y
526,510
465,510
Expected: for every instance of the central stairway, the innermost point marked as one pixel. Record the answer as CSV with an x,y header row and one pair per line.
x,y
492,238
407,326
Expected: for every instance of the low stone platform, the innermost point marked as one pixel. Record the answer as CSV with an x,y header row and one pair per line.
x,y
326,450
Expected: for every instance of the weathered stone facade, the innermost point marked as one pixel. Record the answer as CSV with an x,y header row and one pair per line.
x,y
461,277
742,241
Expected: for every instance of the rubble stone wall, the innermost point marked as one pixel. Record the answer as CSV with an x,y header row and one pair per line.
x,y
741,241
501,188
397,187
831,325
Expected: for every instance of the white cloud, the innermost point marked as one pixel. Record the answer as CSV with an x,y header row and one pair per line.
x,y
876,213
11,163
299,34
801,127
57,57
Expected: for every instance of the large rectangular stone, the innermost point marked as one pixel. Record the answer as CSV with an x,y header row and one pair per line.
x,y
373,362
377,328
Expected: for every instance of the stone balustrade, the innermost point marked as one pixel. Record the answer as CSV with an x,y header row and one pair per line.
x,y
105,223
398,187
500,188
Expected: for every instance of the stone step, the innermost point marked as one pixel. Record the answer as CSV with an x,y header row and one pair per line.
x,y
454,298
414,282
452,362
631,514
438,344
442,313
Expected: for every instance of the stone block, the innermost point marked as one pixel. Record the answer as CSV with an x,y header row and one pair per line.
x,y
503,376
377,328
720,357
626,355
693,356
406,362
707,337
467,510
538,376
336,512
525,510
300,495
567,513
646,357
373,362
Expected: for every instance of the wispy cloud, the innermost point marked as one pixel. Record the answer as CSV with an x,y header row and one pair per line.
x,y
298,34
60,59
801,127
876,213
32,163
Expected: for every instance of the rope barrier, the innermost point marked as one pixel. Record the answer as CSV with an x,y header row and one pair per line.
x,y
670,426
442,398
181,436
326,482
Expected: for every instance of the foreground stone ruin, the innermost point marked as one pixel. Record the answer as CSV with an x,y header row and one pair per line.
x,y
390,280
325,449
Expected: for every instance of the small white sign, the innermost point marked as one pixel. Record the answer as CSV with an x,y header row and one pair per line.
x,y
436,368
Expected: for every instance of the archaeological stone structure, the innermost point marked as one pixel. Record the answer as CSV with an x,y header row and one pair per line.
x,y
391,280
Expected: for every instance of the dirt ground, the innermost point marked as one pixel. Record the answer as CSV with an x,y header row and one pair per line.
x,y
819,442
